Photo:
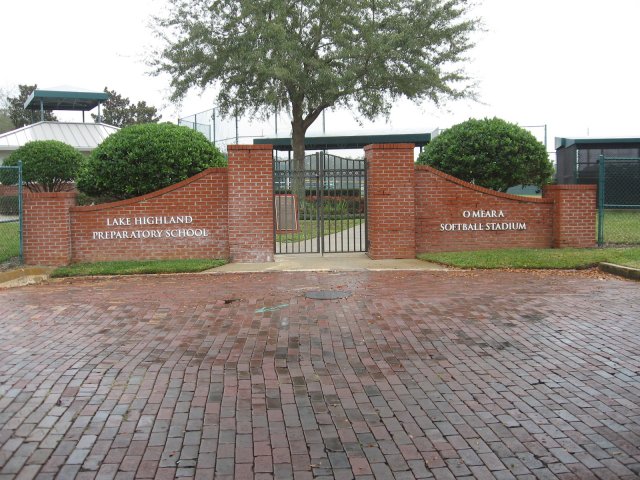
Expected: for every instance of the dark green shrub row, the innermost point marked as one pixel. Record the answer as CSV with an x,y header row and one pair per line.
x,y
332,208
347,192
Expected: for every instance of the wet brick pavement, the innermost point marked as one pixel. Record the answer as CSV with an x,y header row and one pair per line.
x,y
415,375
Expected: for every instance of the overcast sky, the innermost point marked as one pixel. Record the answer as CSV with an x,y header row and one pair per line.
x,y
569,64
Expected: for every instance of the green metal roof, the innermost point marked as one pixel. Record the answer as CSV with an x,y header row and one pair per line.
x,y
343,142
64,100
616,141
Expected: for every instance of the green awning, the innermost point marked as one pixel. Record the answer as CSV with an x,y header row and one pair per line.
x,y
613,142
343,142
64,100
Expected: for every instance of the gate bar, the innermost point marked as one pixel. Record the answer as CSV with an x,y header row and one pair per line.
x,y
20,210
601,186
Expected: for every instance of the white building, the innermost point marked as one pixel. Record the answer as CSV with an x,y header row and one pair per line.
x,y
84,137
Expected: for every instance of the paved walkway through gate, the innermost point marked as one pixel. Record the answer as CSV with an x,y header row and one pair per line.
x,y
347,240
412,374
329,262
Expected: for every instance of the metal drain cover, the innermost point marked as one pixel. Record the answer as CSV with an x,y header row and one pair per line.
x,y
327,294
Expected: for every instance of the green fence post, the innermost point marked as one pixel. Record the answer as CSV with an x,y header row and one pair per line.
x,y
601,186
20,210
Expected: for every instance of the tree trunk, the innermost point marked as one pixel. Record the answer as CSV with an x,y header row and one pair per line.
x,y
297,142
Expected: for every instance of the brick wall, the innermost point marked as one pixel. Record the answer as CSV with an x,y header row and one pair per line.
x,y
574,212
220,213
186,220
228,213
251,203
8,190
46,228
390,204
443,202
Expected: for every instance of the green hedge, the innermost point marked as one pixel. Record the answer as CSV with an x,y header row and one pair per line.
x,y
491,153
141,159
47,165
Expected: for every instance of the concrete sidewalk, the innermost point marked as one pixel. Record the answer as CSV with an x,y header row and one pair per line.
x,y
24,275
334,262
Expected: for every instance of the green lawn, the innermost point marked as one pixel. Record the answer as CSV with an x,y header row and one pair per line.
x,y
9,241
621,227
537,258
134,267
309,229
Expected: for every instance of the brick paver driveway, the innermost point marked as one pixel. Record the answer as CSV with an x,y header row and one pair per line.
x,y
415,375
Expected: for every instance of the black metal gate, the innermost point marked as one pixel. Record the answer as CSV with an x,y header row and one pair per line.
x,y
321,208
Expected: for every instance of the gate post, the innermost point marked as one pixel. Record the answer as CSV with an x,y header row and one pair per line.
x,y
250,203
574,215
47,228
391,210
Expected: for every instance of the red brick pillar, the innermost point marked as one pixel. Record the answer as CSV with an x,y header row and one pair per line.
x,y
391,211
47,228
250,203
574,215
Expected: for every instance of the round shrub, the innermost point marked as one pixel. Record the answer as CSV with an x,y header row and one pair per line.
x,y
491,153
140,159
47,165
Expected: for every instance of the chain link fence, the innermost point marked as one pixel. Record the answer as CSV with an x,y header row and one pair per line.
x,y
618,201
228,130
10,214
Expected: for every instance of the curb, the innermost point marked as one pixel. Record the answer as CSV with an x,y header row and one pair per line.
x,y
24,276
619,270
